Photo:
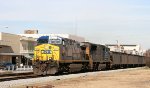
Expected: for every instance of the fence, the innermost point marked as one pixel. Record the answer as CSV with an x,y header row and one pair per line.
x,y
18,68
24,68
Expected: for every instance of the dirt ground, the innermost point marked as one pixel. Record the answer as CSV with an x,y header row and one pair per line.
x,y
127,79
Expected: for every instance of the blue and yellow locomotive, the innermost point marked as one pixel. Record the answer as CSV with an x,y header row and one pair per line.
x,y
57,55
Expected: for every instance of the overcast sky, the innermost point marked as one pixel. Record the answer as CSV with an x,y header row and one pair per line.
x,y
99,21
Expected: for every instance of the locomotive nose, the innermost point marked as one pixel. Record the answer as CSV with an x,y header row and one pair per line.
x,y
46,52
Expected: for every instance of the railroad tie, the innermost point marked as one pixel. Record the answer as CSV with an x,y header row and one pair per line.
x,y
40,86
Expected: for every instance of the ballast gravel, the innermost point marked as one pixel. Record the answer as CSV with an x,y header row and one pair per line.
x,y
30,81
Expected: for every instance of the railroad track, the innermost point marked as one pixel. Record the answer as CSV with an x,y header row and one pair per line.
x,y
11,77
29,75
16,76
30,80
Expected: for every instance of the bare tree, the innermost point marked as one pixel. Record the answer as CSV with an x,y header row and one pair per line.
x,y
147,53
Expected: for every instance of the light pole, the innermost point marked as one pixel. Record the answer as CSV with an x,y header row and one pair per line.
x,y
75,25
118,46
3,26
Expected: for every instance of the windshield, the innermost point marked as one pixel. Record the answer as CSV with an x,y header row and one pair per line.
x,y
46,39
42,39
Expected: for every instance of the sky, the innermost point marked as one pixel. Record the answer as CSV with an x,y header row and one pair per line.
x,y
99,21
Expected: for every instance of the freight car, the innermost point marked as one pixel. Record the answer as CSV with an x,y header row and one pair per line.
x,y
58,55
123,60
148,61
55,55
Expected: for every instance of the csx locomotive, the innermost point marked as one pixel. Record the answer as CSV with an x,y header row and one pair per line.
x,y
54,55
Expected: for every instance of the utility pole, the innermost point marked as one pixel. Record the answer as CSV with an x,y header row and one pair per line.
x,y
75,26
118,46
3,26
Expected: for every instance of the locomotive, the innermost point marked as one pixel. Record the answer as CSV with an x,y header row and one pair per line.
x,y
54,55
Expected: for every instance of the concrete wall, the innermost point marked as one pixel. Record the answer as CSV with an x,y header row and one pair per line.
x,y
0,36
11,43
5,59
27,46
6,49
11,40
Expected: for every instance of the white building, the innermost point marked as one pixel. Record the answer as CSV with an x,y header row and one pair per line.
x,y
130,49
16,49
73,37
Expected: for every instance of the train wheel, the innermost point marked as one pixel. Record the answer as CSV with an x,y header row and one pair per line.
x,y
84,67
36,70
108,66
42,69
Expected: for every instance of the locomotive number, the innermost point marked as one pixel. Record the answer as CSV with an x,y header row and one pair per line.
x,y
45,51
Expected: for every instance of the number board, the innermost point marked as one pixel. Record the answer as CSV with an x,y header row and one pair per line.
x,y
45,51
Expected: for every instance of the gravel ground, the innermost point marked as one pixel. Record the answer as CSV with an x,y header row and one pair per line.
x,y
126,78
139,78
